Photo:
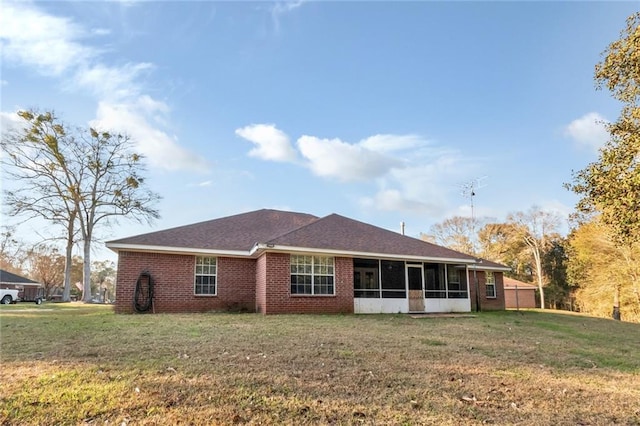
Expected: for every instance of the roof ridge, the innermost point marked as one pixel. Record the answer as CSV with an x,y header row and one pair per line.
x,y
275,237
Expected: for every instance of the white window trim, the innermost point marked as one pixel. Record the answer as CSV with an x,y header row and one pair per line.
x,y
195,275
488,284
313,276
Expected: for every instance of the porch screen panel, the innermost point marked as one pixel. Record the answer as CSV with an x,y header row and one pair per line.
x,y
434,284
457,282
393,279
365,278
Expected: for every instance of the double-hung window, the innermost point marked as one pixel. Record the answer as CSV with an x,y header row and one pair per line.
x,y
206,276
490,284
313,275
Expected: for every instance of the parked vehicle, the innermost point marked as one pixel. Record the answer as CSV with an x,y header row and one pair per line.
x,y
8,296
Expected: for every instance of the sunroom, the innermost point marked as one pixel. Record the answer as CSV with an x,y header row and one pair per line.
x,y
396,286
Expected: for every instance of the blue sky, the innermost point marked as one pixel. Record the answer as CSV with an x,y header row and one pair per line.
x,y
379,111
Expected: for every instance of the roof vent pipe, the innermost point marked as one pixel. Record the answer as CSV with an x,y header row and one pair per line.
x,y
402,228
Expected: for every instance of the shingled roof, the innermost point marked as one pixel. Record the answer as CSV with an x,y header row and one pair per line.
x,y
7,277
236,233
275,229
335,232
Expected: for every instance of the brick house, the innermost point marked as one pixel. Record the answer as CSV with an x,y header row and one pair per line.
x,y
28,290
272,261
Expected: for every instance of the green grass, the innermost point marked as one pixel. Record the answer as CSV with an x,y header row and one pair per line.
x,y
75,363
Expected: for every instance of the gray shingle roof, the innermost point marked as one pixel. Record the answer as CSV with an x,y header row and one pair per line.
x,y
237,232
287,229
9,278
335,232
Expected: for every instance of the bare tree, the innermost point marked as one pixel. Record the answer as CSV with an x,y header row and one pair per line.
x,y
535,228
75,176
458,233
36,159
110,185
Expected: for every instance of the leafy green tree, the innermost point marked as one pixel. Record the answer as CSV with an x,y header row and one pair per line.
x,y
46,266
103,278
554,265
600,269
610,186
501,243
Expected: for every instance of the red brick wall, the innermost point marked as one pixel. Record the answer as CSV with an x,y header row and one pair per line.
x,y
278,288
487,304
173,277
261,283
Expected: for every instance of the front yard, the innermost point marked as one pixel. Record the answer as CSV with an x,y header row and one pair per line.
x,y
75,364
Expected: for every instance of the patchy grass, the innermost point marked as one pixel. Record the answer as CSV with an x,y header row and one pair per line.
x,y
75,364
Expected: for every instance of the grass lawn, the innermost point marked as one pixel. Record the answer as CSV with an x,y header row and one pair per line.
x,y
82,364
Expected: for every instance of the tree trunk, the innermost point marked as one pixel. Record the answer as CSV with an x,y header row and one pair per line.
x,y
538,259
86,270
616,304
68,260
66,293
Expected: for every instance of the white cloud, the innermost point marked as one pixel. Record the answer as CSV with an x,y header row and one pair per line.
x,y
55,47
271,143
160,149
3,82
390,143
346,162
588,131
33,38
408,172
109,82
281,8
9,121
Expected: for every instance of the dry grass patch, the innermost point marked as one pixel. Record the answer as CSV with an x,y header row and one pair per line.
x,y
73,366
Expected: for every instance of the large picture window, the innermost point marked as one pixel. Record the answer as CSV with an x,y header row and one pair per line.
x,y
490,284
312,275
206,273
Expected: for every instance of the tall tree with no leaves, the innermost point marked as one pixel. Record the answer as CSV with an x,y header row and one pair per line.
x,y
458,233
111,185
39,159
536,228
91,178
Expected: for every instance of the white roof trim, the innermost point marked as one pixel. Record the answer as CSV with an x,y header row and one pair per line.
x,y
290,249
481,267
261,247
176,250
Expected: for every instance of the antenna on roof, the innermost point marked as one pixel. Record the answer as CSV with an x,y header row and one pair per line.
x,y
468,190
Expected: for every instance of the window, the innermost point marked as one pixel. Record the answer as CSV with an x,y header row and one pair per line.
x,y
490,284
312,275
206,271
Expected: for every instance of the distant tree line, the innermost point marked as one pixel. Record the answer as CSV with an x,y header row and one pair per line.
x,y
45,264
